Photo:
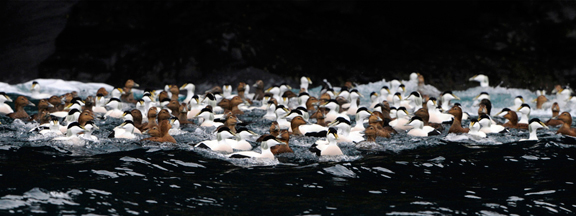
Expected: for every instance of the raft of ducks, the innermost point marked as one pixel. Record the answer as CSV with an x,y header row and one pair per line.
x,y
159,114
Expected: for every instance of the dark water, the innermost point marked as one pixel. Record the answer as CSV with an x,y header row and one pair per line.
x,y
447,174
444,178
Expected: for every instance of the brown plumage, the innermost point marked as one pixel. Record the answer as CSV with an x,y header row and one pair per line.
x,y
183,116
215,89
19,112
234,102
164,114
274,131
456,127
85,116
555,112
56,102
137,119
128,96
160,133
225,104
295,125
375,121
241,89
311,103
283,148
162,96
370,133
423,113
102,91
259,90
512,119
231,121
566,128
152,115
44,117
540,100
43,104
88,103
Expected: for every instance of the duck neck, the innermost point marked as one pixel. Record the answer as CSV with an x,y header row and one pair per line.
x,y
532,134
189,95
524,119
456,124
296,129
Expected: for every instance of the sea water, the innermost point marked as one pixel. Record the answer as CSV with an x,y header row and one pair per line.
x,y
446,174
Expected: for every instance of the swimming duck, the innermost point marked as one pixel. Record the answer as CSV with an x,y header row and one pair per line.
x,y
164,114
240,143
384,93
270,111
189,87
35,90
301,127
72,132
328,147
220,144
510,116
354,100
566,128
234,103
413,101
447,96
518,101
488,127
265,153
475,129
124,131
456,127
394,84
175,126
344,131
541,99
57,102
524,111
116,108
436,116
116,93
283,137
397,99
555,112
42,105
333,110
370,134
418,128
85,116
362,114
53,129
5,108
423,114
193,107
160,132
304,83
259,90
534,125
227,91
281,112
89,127
480,97
19,105
127,95
481,78
208,118
401,121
